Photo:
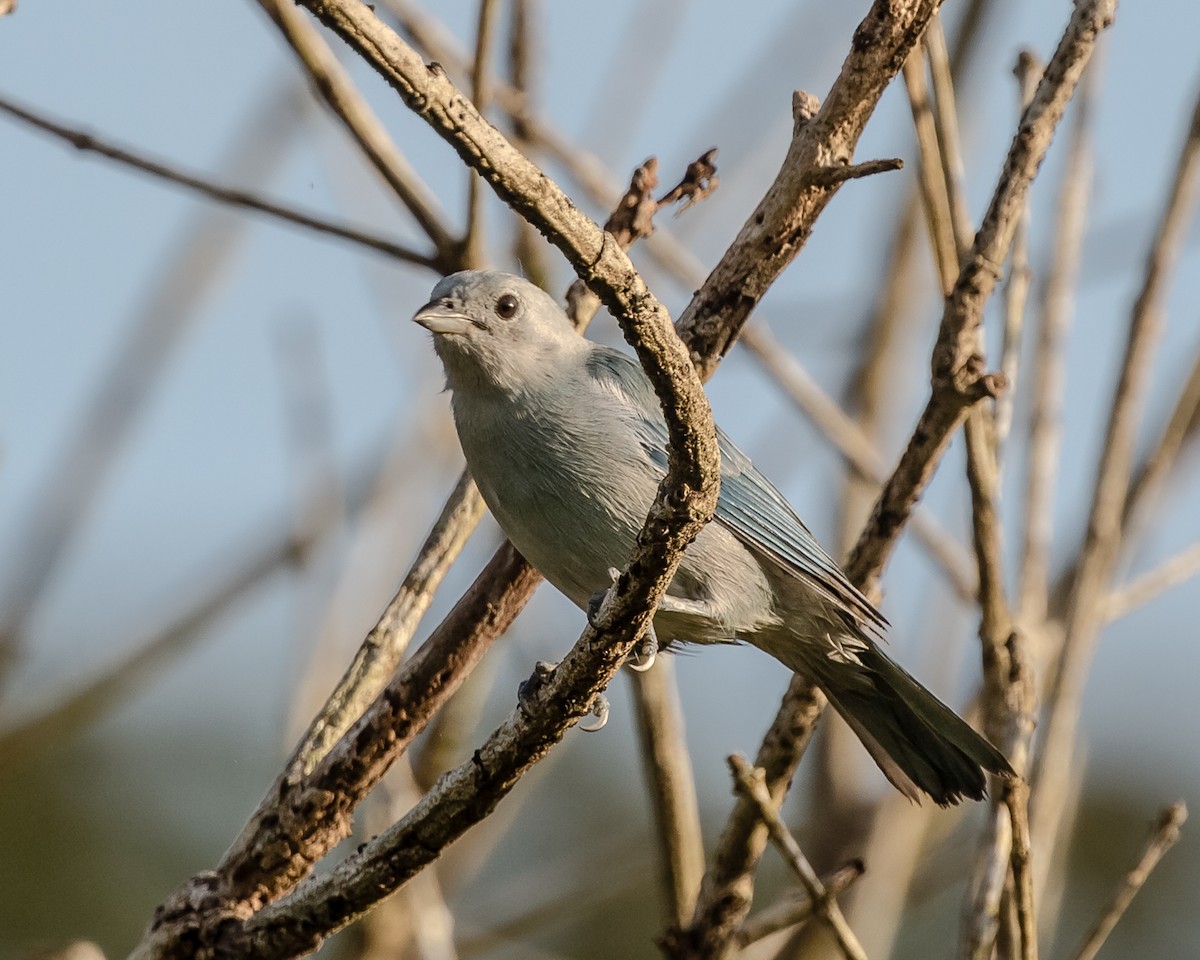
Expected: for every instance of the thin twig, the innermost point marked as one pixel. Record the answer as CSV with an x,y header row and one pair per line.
x,y
475,245
333,85
1016,799
751,784
1164,836
231,196
1016,286
671,786
949,141
1049,360
935,201
529,249
794,911
158,324
1085,611
1150,585
1181,425
961,381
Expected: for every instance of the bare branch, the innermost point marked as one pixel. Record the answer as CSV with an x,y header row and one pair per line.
x,y
672,788
474,246
334,86
1045,433
1085,610
382,650
529,249
822,140
959,381
935,201
751,784
1016,287
958,377
1016,798
1181,425
795,911
1165,836
949,142
1167,575
231,196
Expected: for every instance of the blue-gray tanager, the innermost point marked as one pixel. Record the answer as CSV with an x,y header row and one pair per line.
x,y
567,442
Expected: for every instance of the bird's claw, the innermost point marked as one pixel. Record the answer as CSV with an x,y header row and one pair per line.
x,y
528,687
641,658
598,709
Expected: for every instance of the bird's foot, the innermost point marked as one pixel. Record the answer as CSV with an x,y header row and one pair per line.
x,y
641,658
599,707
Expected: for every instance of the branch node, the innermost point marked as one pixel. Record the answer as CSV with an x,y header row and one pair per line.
x,y
804,107
837,174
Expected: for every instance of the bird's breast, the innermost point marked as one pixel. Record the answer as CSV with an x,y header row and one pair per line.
x,y
570,495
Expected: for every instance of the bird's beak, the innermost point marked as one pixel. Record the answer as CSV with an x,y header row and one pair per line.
x,y
441,317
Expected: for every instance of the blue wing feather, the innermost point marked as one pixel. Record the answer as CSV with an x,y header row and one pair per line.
x,y
749,505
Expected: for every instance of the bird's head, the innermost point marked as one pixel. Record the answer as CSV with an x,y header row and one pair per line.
x,y
494,330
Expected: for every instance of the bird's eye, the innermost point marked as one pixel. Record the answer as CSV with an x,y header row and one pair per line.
x,y
506,307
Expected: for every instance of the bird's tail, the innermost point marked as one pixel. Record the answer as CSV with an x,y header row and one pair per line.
x,y
920,744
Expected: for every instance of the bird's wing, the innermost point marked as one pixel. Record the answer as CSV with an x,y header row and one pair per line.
x,y
749,506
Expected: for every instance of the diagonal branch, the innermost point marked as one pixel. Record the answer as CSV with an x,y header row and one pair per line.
x,y
958,382
266,863
1102,541
333,85
222,193
1166,834
751,785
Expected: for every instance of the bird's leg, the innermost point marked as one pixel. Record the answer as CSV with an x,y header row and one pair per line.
x,y
599,707
705,609
641,657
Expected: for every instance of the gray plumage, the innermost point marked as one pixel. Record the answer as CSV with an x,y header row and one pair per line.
x,y
566,441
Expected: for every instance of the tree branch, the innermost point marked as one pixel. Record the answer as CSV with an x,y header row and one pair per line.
x,y
258,870
1165,836
231,196
958,382
752,786
333,85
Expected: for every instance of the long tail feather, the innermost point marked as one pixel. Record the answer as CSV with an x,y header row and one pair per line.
x,y
920,744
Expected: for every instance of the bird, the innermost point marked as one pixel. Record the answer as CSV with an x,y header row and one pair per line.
x,y
567,443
